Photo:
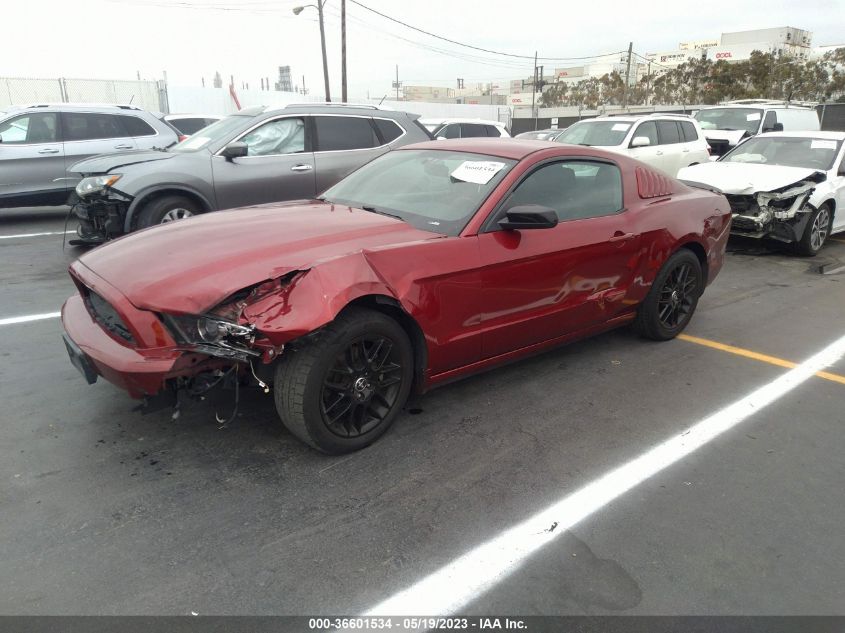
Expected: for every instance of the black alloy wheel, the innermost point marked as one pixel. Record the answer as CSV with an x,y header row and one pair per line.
x,y
677,296
673,297
362,386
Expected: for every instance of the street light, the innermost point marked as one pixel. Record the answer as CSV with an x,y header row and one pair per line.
x,y
319,7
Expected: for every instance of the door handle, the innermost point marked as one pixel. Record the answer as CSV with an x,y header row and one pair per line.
x,y
302,167
686,150
619,236
48,150
123,147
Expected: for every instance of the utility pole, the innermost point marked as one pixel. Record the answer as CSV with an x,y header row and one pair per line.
x,y
648,84
627,75
534,91
343,95
320,4
396,83
304,91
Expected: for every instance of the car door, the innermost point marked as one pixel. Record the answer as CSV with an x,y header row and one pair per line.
x,y
88,134
342,144
671,153
542,284
31,160
651,154
279,165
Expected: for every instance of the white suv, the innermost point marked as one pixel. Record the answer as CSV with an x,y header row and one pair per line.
x,y
668,142
464,128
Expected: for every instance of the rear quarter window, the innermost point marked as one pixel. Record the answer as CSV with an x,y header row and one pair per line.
x,y
689,132
388,129
134,126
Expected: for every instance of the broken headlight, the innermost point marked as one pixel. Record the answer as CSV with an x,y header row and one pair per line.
x,y
213,335
94,184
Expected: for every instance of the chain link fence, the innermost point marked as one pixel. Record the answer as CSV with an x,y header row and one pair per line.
x,y
149,95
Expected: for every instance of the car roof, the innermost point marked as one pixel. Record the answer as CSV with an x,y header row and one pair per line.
x,y
834,136
758,106
513,148
193,115
108,107
461,120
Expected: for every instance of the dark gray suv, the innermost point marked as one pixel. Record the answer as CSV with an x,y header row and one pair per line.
x,y
257,155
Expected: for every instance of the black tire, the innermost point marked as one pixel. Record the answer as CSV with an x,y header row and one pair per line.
x,y
672,299
160,210
816,232
375,390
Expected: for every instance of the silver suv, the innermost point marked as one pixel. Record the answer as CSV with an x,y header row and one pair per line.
x,y
39,143
255,156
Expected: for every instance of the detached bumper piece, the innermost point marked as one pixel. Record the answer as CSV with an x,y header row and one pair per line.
x,y
79,360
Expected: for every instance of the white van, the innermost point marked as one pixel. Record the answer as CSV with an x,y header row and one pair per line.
x,y
726,125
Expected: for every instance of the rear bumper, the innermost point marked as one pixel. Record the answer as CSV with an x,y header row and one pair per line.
x,y
140,374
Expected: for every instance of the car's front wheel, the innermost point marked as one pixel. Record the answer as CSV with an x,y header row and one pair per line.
x,y
166,209
672,299
816,232
342,388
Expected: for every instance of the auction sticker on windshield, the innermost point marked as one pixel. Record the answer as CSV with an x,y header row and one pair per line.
x,y
822,144
754,116
479,172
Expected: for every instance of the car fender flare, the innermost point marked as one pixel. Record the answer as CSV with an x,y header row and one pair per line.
x,y
145,193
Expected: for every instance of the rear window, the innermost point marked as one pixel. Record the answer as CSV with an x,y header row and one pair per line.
x,y
389,130
188,126
344,132
135,126
689,131
473,130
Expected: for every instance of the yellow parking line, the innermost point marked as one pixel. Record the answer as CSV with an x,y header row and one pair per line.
x,y
763,358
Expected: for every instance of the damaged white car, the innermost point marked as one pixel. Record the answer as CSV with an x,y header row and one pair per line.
x,y
784,186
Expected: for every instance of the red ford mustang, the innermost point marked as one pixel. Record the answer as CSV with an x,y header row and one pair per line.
x,y
430,263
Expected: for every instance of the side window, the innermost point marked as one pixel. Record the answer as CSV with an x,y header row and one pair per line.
x,y
389,130
344,132
769,121
280,136
493,131
452,130
37,127
189,126
667,131
87,126
690,134
649,130
472,130
136,126
574,189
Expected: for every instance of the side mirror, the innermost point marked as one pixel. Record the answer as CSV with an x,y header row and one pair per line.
x,y
235,150
641,141
528,216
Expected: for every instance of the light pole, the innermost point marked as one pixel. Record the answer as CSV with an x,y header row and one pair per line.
x,y
319,6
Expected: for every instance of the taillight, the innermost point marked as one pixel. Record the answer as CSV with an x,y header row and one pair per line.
x,y
182,137
709,151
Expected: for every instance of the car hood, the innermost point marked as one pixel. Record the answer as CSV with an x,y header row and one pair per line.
x,y
731,136
746,178
190,266
103,163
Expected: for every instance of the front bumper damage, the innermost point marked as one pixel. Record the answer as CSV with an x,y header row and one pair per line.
x,y
780,215
101,216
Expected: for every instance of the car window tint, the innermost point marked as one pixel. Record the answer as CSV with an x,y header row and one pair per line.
x,y
38,127
135,126
668,132
450,131
492,130
189,126
280,136
344,132
574,189
389,130
473,130
88,126
689,132
649,130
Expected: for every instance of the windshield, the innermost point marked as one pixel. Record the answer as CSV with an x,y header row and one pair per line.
x,y
730,119
430,189
603,133
539,135
787,151
219,131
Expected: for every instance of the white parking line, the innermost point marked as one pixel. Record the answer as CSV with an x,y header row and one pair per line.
x,y
31,317
453,586
11,237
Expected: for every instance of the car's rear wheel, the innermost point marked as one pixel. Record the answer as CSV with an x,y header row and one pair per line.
x,y
342,388
672,299
816,232
166,209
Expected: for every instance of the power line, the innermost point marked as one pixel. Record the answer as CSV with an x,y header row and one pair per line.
x,y
478,48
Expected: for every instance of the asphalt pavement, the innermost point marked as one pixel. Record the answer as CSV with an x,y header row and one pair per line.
x,y
107,511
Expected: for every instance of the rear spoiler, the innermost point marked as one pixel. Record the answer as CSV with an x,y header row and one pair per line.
x,y
702,185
